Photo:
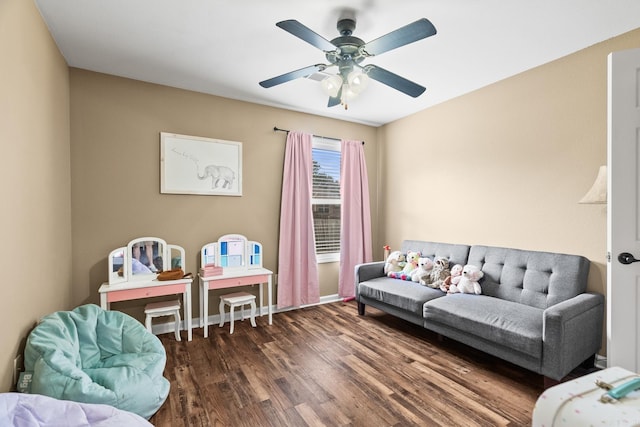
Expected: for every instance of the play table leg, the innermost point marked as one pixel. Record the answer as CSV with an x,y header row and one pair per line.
x,y
269,300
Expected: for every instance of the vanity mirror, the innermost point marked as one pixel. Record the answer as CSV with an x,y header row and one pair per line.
x,y
117,267
232,251
142,259
208,254
176,257
146,258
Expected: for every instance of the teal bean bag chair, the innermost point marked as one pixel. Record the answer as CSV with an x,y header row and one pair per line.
x,y
91,355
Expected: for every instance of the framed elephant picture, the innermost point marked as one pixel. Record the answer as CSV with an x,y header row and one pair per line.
x,y
197,165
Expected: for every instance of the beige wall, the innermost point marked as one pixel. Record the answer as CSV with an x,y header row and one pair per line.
x,y
115,156
35,254
507,164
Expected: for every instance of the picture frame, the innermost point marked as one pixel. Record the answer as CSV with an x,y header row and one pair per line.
x,y
199,165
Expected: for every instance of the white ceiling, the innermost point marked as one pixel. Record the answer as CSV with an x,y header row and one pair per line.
x,y
225,47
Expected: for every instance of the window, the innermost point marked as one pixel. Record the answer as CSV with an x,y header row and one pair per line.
x,y
325,199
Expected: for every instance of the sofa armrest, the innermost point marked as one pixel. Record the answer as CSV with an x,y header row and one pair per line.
x,y
571,333
368,271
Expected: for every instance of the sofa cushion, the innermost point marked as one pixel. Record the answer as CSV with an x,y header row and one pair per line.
x,y
511,324
403,294
537,279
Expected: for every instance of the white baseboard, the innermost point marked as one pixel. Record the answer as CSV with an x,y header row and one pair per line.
x,y
167,327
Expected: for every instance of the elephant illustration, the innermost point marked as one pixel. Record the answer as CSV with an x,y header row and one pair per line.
x,y
220,176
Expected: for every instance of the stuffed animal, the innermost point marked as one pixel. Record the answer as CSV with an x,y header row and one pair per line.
x,y
439,272
424,268
412,263
454,279
469,281
426,279
440,268
394,263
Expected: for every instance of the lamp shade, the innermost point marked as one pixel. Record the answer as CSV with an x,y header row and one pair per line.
x,y
358,81
597,194
331,85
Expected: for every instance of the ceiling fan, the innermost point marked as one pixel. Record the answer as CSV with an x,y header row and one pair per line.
x,y
347,52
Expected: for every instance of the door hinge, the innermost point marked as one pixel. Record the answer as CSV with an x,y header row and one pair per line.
x,y
608,256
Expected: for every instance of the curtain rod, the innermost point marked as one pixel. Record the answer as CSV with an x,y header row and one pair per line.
x,y
277,129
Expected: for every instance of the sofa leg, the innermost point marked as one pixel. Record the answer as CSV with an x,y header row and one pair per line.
x,y
590,363
360,308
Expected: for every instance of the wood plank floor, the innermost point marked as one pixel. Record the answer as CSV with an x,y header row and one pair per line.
x,y
327,366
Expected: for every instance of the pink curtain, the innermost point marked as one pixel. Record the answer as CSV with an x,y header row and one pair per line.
x,y
355,224
298,280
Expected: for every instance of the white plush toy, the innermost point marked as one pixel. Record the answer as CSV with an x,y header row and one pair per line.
x,y
394,263
468,281
424,269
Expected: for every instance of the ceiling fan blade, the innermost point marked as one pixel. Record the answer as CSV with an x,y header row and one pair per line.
x,y
335,100
302,32
292,75
413,32
395,81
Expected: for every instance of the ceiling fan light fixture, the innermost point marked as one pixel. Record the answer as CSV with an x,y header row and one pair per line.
x,y
331,85
348,94
358,81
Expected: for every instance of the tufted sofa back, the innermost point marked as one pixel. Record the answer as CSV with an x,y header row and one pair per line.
x,y
455,253
537,279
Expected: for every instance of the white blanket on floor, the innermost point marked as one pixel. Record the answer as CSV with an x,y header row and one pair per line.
x,y
34,410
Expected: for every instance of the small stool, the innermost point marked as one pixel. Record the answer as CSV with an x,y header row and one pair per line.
x,y
164,308
237,299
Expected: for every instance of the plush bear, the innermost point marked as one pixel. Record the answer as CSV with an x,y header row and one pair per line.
x,y
469,281
394,263
412,259
424,268
411,263
454,279
439,272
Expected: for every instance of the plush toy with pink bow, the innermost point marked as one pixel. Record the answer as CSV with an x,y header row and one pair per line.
x,y
469,281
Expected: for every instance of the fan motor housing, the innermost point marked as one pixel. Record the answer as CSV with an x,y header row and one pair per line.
x,y
347,47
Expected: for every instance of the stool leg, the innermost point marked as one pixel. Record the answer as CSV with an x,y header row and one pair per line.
x,y
253,314
231,311
177,316
221,313
242,311
147,323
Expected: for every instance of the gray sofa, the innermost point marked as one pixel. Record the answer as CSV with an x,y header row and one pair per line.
x,y
534,310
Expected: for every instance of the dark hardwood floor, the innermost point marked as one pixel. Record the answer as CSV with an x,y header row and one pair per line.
x,y
327,366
